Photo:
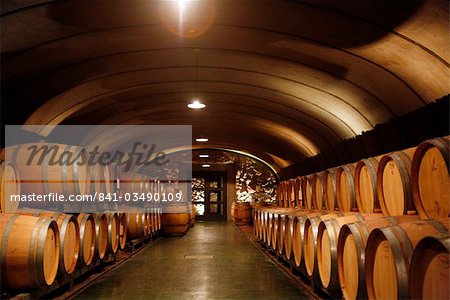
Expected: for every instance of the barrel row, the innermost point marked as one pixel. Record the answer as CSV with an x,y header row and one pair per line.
x,y
359,255
38,248
411,181
19,177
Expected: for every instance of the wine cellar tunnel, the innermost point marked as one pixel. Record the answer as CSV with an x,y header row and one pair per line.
x,y
307,121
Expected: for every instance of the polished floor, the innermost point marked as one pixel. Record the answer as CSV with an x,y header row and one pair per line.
x,y
213,261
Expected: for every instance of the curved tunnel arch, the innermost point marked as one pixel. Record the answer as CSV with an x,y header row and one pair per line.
x,y
327,80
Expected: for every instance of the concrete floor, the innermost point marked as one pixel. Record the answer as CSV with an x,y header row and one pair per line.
x,y
238,270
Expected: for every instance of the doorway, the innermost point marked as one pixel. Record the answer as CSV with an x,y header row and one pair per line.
x,y
209,195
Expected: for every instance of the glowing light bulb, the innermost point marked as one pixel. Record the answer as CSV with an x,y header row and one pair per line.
x,y
196,104
201,140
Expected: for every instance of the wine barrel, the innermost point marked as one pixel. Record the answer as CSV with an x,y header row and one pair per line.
x,y
159,218
277,234
122,230
318,190
280,194
97,179
101,235
257,226
147,222
430,180
291,193
30,251
307,191
264,225
288,234
393,183
366,186
87,239
388,256
329,189
175,219
429,270
110,178
327,240
55,177
69,237
136,225
298,192
310,240
298,231
133,183
241,212
10,185
345,188
351,253
113,232
283,226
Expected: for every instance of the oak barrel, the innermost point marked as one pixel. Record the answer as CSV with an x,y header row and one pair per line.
x,y
241,212
10,185
175,219
97,179
307,192
122,230
310,239
329,189
394,184
298,192
113,232
327,241
87,239
351,253
430,181
388,256
429,271
29,251
366,185
318,190
101,235
298,235
62,170
136,225
345,188
69,237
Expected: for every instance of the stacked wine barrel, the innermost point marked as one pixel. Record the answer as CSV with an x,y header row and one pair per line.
x,y
377,229
41,247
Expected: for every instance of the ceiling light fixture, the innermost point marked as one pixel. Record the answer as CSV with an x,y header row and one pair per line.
x,y
206,165
201,140
203,155
196,104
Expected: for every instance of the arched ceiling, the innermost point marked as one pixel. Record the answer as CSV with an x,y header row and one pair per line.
x,y
282,79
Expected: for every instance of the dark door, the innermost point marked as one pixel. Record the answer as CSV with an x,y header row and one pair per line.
x,y
209,195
